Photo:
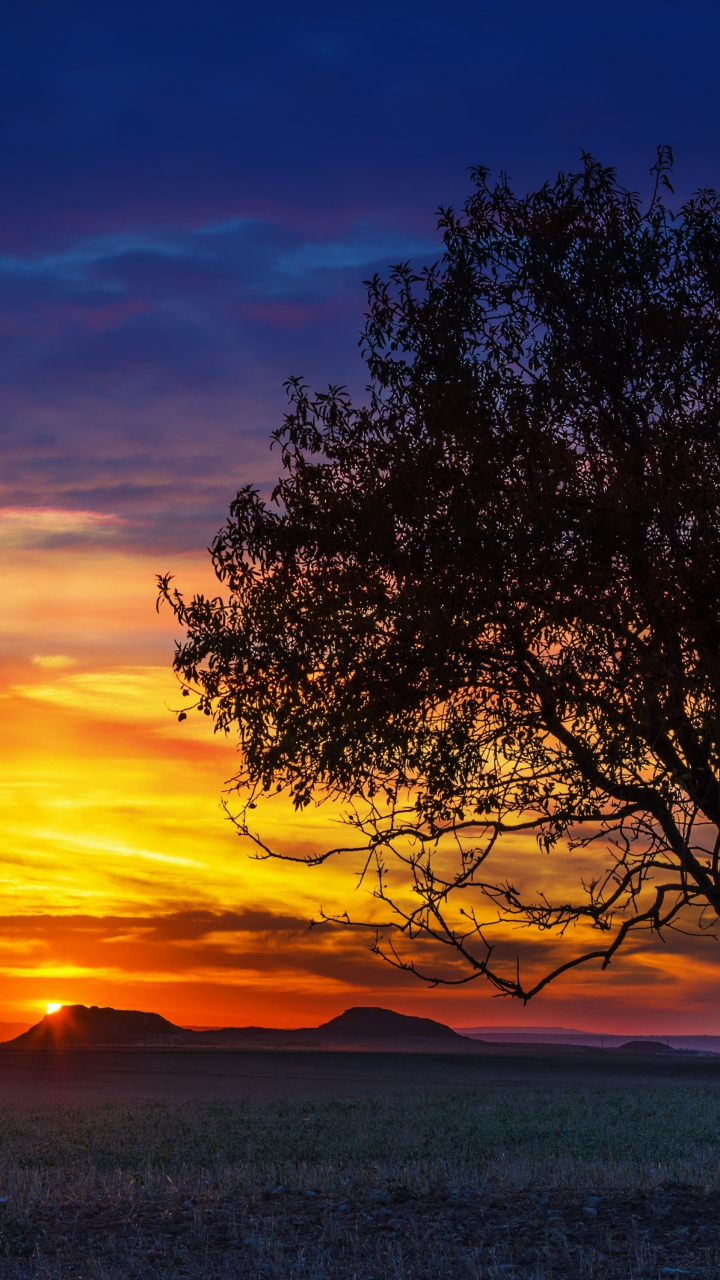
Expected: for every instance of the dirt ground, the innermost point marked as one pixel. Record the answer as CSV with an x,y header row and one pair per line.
x,y
369,1233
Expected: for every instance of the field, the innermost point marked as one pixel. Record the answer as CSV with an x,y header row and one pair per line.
x,y
527,1182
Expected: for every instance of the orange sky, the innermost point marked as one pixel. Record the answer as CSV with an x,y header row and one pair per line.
x,y
122,883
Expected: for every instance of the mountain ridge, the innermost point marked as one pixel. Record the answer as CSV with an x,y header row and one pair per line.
x,y
77,1025
360,1028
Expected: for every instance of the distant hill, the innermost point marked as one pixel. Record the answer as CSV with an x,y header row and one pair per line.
x,y
517,1033
381,1024
650,1046
78,1024
592,1039
361,1028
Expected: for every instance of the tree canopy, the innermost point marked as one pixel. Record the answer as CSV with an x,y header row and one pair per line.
x,y
484,602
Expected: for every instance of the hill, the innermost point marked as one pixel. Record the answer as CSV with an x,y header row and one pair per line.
x,y
384,1024
651,1047
78,1024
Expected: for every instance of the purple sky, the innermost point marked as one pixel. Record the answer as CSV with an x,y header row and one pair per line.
x,y
193,194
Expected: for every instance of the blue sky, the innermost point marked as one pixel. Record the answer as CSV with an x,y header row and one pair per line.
x,y
193,194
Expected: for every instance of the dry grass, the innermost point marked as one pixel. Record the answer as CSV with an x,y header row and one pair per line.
x,y
485,1184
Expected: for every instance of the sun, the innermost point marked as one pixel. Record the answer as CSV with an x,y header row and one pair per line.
x,y
53,1008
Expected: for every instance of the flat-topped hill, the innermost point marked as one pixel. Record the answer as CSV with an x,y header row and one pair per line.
x,y
77,1024
384,1024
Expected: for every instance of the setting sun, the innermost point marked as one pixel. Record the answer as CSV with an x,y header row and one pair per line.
x,y
53,1008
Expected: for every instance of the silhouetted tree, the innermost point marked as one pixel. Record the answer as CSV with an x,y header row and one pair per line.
x,y
486,601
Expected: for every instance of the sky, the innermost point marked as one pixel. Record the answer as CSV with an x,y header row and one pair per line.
x,y
192,197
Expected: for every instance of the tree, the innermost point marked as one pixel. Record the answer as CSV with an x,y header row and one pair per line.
x,y
485,602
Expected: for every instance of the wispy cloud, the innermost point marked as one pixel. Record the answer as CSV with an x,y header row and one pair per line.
x,y
27,527
361,250
237,243
74,263
112,849
135,694
53,661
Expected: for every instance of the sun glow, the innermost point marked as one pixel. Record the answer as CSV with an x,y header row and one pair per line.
x,y
120,880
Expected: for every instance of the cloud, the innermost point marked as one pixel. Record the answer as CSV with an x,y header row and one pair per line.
x,y
53,661
29,527
132,695
250,247
143,368
185,926
250,965
136,694
110,849
74,264
360,250
229,948
254,949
